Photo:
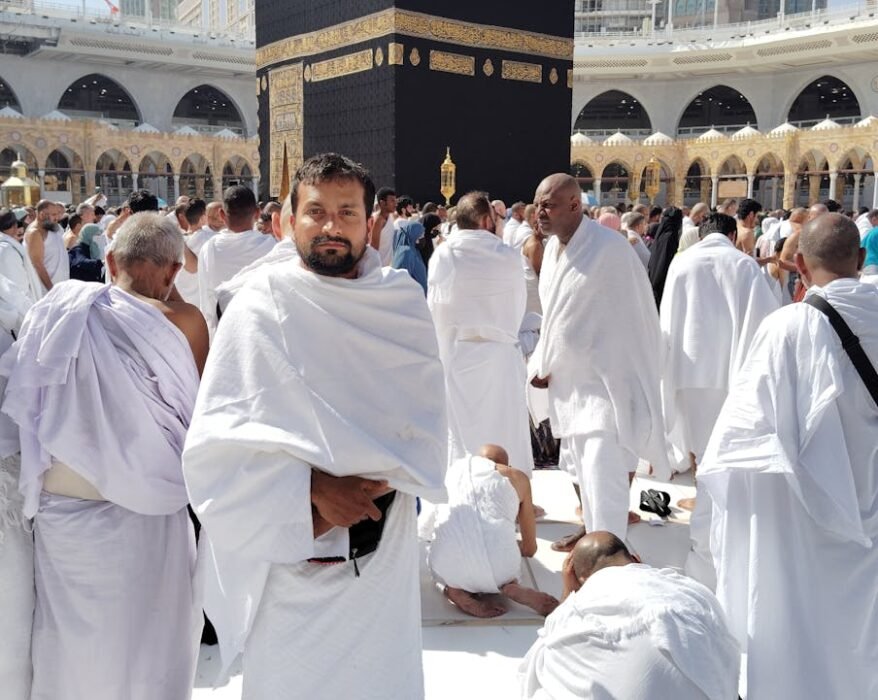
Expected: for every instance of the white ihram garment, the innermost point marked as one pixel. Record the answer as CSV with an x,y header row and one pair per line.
x,y
634,633
55,258
385,243
220,259
342,375
475,546
477,296
187,282
283,253
792,469
600,346
103,382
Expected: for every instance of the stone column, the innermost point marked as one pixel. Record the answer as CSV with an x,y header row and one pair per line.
x,y
875,191
789,189
90,183
597,189
134,181
254,185
41,178
705,190
774,193
218,187
813,189
833,184
751,181
714,190
857,179
176,192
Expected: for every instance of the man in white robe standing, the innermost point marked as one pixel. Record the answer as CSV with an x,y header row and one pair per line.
x,y
101,384
714,300
44,241
626,631
320,418
224,254
791,469
477,296
599,356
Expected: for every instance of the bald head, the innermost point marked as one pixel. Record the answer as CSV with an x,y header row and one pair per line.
x,y
495,453
831,243
474,211
798,215
559,206
816,210
596,551
611,221
699,212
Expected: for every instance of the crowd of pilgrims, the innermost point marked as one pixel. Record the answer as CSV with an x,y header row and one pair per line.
x,y
320,383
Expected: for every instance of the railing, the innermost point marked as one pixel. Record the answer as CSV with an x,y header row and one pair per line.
x,y
601,134
714,33
209,129
808,123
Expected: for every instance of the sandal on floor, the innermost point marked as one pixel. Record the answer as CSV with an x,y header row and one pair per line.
x,y
664,496
653,504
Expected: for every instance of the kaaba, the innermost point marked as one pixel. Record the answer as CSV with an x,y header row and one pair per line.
x,y
395,84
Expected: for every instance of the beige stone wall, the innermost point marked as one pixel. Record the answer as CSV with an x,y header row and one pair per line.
x,y
196,163
842,155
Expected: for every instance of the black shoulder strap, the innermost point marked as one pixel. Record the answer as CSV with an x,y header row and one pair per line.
x,y
850,343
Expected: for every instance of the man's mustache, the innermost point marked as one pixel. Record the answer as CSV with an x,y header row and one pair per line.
x,y
319,240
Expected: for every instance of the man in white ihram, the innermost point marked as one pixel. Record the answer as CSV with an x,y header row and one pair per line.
x,y
101,383
477,296
714,300
321,417
791,469
597,356
626,631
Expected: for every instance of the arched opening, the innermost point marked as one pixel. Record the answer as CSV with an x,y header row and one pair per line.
x,y
7,97
208,110
113,176
614,184
236,171
65,176
732,182
156,174
768,182
720,107
96,96
826,96
613,111
812,180
666,186
856,178
9,155
696,188
583,175
196,180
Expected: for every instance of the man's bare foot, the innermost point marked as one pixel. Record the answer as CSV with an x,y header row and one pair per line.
x,y
472,605
693,465
539,512
633,517
686,504
541,603
566,544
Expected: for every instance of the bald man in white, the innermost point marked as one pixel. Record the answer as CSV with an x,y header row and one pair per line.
x,y
791,471
626,631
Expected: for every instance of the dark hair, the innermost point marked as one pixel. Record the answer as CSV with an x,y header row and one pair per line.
x,y
142,200
404,202
718,223
748,206
239,203
384,193
73,221
655,211
327,167
832,206
99,212
430,222
194,211
429,208
862,210
778,246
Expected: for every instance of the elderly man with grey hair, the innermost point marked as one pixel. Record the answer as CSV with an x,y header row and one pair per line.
x,y
690,235
101,384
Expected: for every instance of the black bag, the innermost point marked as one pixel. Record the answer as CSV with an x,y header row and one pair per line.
x,y
850,343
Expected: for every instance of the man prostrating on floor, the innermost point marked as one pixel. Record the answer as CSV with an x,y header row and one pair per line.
x,y
475,549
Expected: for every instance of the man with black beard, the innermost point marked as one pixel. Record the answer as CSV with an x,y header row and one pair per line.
x,y
321,416
44,241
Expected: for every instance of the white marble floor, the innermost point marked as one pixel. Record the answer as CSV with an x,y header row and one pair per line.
x,y
468,659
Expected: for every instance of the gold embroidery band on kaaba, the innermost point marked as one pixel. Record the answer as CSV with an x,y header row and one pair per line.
x,y
342,65
417,25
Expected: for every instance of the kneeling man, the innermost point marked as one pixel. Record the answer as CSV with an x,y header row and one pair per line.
x,y
475,549
626,631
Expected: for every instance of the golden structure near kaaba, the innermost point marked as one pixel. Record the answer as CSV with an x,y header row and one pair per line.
x,y
448,177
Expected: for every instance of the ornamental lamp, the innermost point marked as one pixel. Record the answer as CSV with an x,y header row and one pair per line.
x,y
448,177
19,190
652,179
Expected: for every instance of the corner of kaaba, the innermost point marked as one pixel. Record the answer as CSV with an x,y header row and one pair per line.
x,y
395,84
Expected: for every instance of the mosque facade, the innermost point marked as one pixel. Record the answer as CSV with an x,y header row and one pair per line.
x,y
781,109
